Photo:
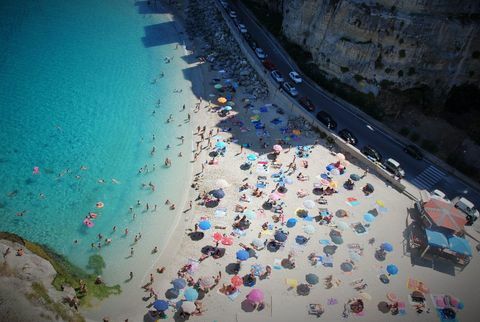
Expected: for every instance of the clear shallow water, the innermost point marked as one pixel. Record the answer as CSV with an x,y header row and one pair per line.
x,y
76,90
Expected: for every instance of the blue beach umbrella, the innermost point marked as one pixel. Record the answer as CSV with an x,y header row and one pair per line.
x,y
257,269
288,180
160,305
219,193
220,145
301,240
291,222
179,283
204,225
251,157
369,217
227,108
387,247
243,255
392,269
280,236
190,294
311,278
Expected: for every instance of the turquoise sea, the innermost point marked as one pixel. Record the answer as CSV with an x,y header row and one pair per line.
x,y
80,83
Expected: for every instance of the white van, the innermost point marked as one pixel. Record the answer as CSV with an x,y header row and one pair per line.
x,y
467,207
394,167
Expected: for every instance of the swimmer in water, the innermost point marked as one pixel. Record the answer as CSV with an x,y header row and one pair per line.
x,y
21,213
101,181
83,167
115,181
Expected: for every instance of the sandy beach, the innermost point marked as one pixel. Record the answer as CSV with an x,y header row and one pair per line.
x,y
312,230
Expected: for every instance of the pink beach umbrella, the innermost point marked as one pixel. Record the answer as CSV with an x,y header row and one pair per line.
x,y
274,196
277,148
255,296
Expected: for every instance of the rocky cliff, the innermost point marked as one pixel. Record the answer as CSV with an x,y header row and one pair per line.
x,y
388,44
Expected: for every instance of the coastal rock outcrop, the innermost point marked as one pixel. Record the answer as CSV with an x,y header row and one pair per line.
x,y
388,44
26,291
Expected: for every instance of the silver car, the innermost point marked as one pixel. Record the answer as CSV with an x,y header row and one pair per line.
x,y
290,89
277,76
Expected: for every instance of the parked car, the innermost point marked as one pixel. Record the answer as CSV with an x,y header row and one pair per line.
x,y
260,53
393,166
306,103
467,207
348,136
371,153
414,151
438,194
277,76
232,14
242,28
290,89
326,119
295,77
269,65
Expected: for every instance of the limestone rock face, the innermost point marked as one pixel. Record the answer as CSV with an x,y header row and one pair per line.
x,y
404,43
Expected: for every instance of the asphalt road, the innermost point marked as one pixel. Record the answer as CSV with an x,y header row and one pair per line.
x,y
422,174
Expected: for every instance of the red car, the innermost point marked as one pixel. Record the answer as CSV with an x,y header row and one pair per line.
x,y
269,65
305,102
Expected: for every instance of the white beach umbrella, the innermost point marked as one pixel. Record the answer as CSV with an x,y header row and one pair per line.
x,y
188,307
309,204
222,184
309,229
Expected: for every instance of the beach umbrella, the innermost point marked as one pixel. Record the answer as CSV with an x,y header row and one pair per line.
x,y
258,269
274,196
257,242
341,225
160,305
346,267
190,294
392,269
309,204
280,236
365,296
333,184
251,157
206,281
303,289
288,180
383,307
179,283
340,156
340,213
204,225
380,203
227,108
301,240
217,237
236,281
255,296
227,240
369,217
188,307
369,187
291,222
220,145
243,255
392,297
217,86
218,193
172,293
355,177
311,278
296,132
250,214
309,229
302,213
222,100
193,267
291,282
277,148
221,184
387,247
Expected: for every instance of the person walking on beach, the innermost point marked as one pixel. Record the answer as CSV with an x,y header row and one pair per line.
x,y
131,275
131,249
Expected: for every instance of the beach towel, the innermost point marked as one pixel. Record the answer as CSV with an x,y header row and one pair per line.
x,y
234,295
276,121
326,261
263,109
277,263
324,242
416,285
401,308
308,218
261,185
352,202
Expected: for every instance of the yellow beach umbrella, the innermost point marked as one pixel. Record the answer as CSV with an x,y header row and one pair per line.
x,y
333,184
291,282
222,100
297,132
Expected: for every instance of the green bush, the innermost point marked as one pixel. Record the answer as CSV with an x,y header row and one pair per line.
x,y
322,134
411,71
96,263
344,69
330,140
400,73
358,78
402,53
405,131
414,136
